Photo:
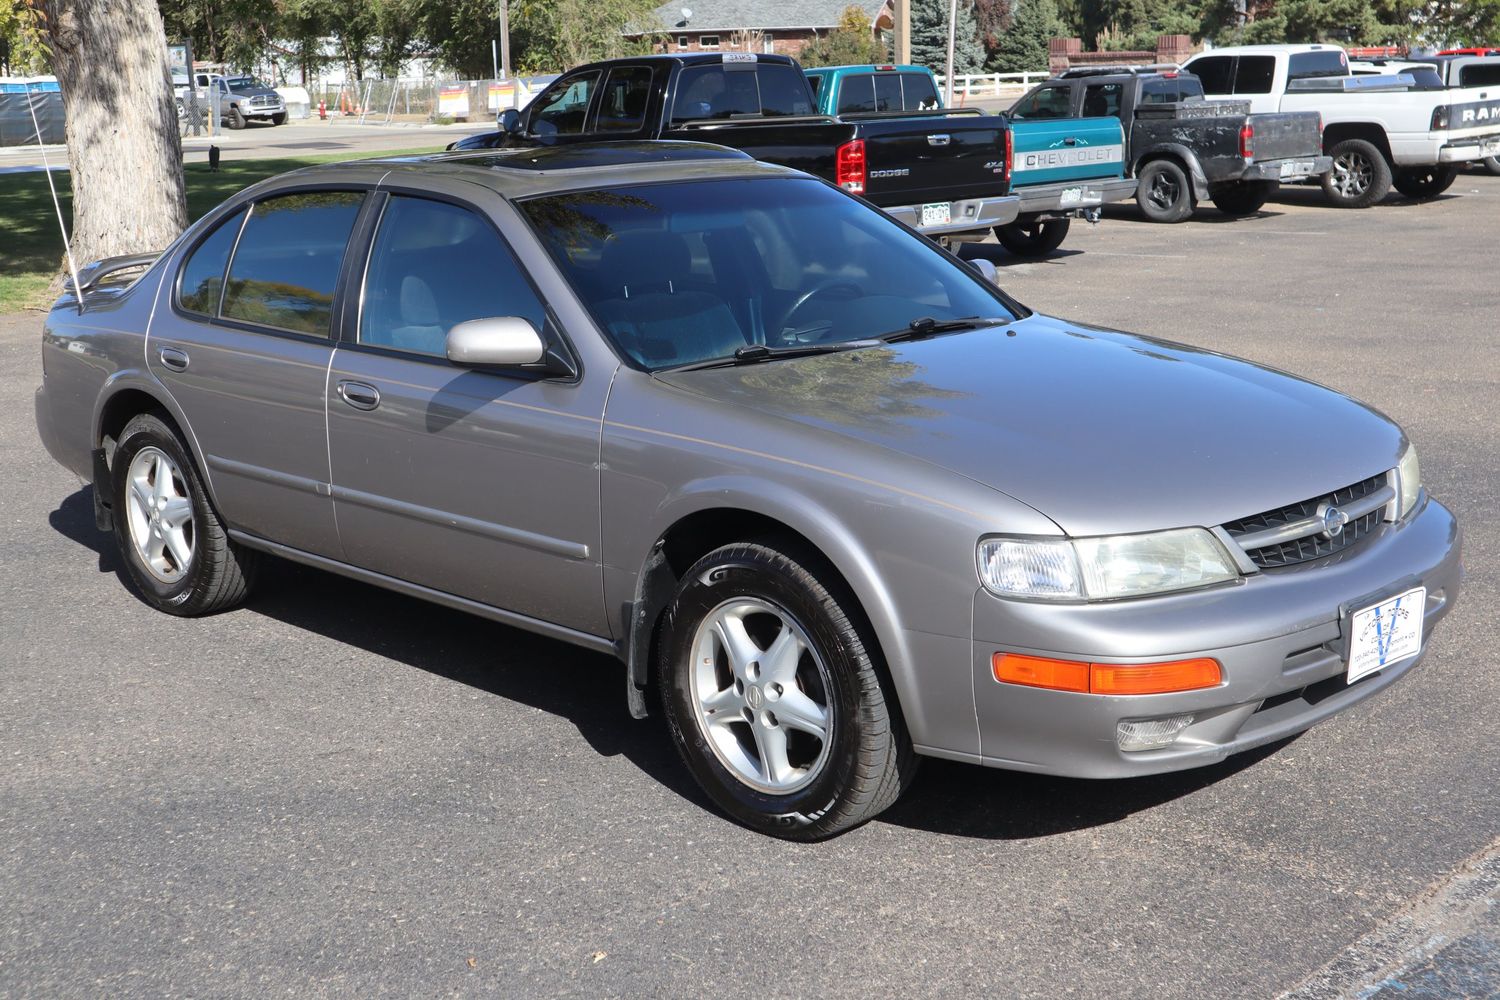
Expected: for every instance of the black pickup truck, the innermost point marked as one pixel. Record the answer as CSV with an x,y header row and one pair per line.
x,y
944,173
1181,148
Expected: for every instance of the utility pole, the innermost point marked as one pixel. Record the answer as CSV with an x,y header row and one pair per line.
x,y
948,70
901,32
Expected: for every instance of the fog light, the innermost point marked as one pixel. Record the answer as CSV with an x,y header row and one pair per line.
x,y
1151,734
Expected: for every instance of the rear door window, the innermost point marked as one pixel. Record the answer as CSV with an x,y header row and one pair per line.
x,y
1102,100
1048,102
286,266
1479,75
1215,72
1254,74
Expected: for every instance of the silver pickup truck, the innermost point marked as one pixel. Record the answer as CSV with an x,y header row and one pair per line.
x,y
242,99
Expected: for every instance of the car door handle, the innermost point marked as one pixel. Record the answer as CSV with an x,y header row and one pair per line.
x,y
939,140
359,395
174,359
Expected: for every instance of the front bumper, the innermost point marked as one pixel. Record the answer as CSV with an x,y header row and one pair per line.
x,y
1071,196
969,214
1278,636
262,110
1303,167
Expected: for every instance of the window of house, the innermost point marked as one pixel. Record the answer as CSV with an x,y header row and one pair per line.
x,y
682,41
708,41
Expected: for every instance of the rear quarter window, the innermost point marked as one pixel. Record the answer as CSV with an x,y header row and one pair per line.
x,y
1479,76
1306,65
203,273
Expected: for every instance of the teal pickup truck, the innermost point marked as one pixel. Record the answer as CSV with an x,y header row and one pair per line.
x,y
1060,169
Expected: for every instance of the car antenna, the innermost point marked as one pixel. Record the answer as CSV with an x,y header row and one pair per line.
x,y
56,204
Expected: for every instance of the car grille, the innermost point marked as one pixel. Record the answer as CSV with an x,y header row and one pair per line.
x,y
264,101
1295,533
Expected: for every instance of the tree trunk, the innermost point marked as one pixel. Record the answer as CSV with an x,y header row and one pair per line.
x,y
124,149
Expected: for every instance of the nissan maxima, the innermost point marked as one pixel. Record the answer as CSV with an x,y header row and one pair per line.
x,y
835,500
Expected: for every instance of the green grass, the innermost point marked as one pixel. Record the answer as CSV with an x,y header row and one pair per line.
x,y
31,248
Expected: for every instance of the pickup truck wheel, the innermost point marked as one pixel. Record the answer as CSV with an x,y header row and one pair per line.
x,y
1360,176
174,546
772,699
1164,192
234,118
1492,164
1242,197
1032,239
1425,182
279,118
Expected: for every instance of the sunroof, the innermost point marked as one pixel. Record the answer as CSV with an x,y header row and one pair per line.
x,y
606,154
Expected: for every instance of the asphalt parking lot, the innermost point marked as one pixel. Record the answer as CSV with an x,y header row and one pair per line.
x,y
336,791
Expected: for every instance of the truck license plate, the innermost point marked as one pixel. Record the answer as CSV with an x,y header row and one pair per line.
x,y
1070,197
1386,633
937,214
1296,168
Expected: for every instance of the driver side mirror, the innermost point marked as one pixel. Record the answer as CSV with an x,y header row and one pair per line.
x,y
499,341
510,121
986,269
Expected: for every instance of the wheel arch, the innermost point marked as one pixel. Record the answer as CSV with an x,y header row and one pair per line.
x,y
811,534
1183,157
1370,132
129,394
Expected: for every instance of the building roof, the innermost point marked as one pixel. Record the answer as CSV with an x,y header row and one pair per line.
x,y
761,15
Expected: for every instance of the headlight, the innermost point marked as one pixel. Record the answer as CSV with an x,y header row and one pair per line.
x,y
1103,568
1408,482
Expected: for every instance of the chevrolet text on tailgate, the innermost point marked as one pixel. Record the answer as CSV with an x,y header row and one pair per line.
x,y
941,172
776,452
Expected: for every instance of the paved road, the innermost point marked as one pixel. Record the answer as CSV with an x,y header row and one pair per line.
x,y
337,791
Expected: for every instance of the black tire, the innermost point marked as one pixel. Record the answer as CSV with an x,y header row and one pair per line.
x,y
1242,197
1360,177
1492,164
868,760
279,118
1425,182
219,572
1030,238
234,118
1164,193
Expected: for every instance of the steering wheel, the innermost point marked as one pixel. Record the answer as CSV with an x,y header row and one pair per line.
x,y
821,288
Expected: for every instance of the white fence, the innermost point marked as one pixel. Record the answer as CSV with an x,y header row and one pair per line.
x,y
992,84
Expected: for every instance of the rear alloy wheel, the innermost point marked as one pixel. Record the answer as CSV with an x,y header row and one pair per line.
x,y
1164,192
1492,164
173,544
772,698
1242,197
1031,238
1425,182
1360,176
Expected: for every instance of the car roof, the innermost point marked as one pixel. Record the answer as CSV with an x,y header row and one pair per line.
x,y
869,68
527,172
1239,50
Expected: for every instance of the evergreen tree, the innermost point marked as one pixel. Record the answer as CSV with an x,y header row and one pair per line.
x,y
852,43
929,37
1023,49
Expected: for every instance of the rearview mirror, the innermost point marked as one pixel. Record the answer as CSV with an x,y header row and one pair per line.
x,y
510,121
506,341
986,269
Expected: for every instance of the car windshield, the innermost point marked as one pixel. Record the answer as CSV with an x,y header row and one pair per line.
x,y
244,82
686,273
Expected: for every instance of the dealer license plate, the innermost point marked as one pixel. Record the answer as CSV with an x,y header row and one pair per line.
x,y
1386,633
937,214
1296,168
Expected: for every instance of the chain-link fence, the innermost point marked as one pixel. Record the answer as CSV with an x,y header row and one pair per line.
x,y
379,102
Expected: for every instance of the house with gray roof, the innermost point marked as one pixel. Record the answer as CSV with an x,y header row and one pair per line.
x,y
781,26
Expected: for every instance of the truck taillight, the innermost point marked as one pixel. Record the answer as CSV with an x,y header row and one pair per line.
x,y
849,170
1010,152
1247,140
1442,117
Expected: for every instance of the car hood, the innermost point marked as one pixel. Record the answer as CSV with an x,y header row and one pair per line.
x,y
1103,432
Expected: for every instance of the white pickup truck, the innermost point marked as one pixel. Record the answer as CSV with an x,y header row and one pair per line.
x,y
1382,131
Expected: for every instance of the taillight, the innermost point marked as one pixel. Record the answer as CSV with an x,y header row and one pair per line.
x,y
1442,117
1010,152
849,171
1247,140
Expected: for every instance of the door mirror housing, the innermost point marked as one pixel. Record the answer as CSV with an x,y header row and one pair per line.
x,y
496,341
986,269
510,121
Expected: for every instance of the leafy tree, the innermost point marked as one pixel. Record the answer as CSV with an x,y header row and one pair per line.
x,y
929,36
1023,49
852,43
1137,24
23,49
554,35
994,18
235,32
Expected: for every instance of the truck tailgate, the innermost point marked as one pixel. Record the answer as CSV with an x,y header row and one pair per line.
x,y
1052,151
1286,134
930,159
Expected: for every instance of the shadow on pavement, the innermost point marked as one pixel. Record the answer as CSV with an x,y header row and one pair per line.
x,y
588,690
1001,257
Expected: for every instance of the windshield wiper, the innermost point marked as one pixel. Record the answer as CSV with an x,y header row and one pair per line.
x,y
926,326
752,354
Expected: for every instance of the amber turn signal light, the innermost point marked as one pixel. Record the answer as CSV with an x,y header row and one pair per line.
x,y
1107,678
